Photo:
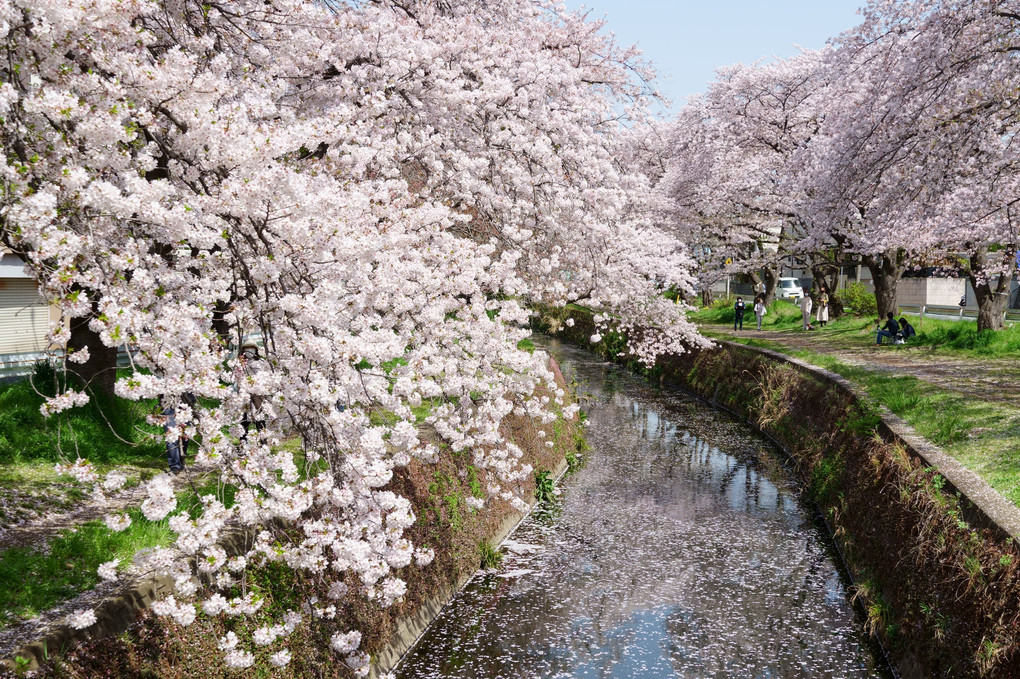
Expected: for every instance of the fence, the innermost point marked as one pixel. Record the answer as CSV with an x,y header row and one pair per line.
x,y
954,313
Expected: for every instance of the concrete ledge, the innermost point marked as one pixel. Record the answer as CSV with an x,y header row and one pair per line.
x,y
983,506
411,630
114,614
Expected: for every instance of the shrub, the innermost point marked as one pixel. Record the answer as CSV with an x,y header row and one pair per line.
x,y
489,556
857,299
545,487
724,302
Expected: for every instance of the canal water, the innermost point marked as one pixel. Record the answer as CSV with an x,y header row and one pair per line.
x,y
680,549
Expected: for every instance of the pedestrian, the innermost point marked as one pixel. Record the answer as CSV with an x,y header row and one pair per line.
x,y
174,446
889,330
805,309
248,363
759,310
823,307
738,313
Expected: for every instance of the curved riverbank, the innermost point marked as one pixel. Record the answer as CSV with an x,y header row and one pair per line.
x,y
929,548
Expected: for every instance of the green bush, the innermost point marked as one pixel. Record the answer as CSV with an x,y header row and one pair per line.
x,y
545,487
856,299
724,302
489,555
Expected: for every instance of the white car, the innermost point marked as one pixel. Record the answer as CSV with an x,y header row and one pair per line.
x,y
789,288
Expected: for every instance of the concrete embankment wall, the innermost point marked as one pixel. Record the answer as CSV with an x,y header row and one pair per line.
x,y
930,546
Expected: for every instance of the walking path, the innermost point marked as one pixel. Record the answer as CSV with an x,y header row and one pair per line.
x,y
39,531
987,379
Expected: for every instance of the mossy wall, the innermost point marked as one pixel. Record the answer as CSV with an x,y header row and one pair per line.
x,y
942,594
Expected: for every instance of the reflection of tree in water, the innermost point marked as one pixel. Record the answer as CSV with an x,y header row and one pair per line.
x,y
677,552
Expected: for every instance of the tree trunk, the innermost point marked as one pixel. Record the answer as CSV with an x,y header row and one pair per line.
x,y
886,270
219,322
991,291
706,296
771,283
767,285
99,373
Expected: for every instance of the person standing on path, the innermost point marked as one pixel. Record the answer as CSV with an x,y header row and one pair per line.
x,y
249,363
805,309
176,448
738,313
823,307
759,310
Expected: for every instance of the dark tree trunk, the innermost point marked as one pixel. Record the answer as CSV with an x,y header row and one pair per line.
x,y
99,373
706,296
886,270
991,291
771,283
219,322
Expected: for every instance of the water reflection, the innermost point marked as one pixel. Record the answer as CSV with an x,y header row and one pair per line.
x,y
680,550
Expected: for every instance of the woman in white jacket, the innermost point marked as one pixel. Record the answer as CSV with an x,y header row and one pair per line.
x,y
759,310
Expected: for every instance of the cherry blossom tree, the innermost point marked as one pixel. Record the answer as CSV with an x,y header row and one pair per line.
x,y
373,191
731,151
915,156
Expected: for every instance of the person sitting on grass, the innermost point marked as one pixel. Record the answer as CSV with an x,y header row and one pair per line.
x,y
889,330
906,330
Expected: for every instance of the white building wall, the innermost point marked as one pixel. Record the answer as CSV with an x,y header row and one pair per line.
x,y
24,317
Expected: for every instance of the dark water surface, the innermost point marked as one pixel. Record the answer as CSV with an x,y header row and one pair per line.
x,y
679,550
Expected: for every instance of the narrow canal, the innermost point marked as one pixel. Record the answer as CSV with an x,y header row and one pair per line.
x,y
679,550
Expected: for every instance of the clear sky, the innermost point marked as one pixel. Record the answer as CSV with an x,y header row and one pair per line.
x,y
687,39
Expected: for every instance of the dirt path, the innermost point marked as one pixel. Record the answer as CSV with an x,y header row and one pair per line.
x,y
38,532
991,379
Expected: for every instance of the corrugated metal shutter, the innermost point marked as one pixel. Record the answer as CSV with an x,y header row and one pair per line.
x,y
24,317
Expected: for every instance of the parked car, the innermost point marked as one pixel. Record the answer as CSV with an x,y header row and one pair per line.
x,y
789,288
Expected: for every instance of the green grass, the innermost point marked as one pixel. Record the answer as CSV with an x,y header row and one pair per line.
x,y
981,435
957,338
32,580
106,430
489,555
963,337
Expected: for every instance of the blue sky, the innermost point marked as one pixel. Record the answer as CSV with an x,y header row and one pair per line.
x,y
686,39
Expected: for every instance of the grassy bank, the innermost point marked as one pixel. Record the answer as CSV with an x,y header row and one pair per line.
x,y
981,435
108,432
33,580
